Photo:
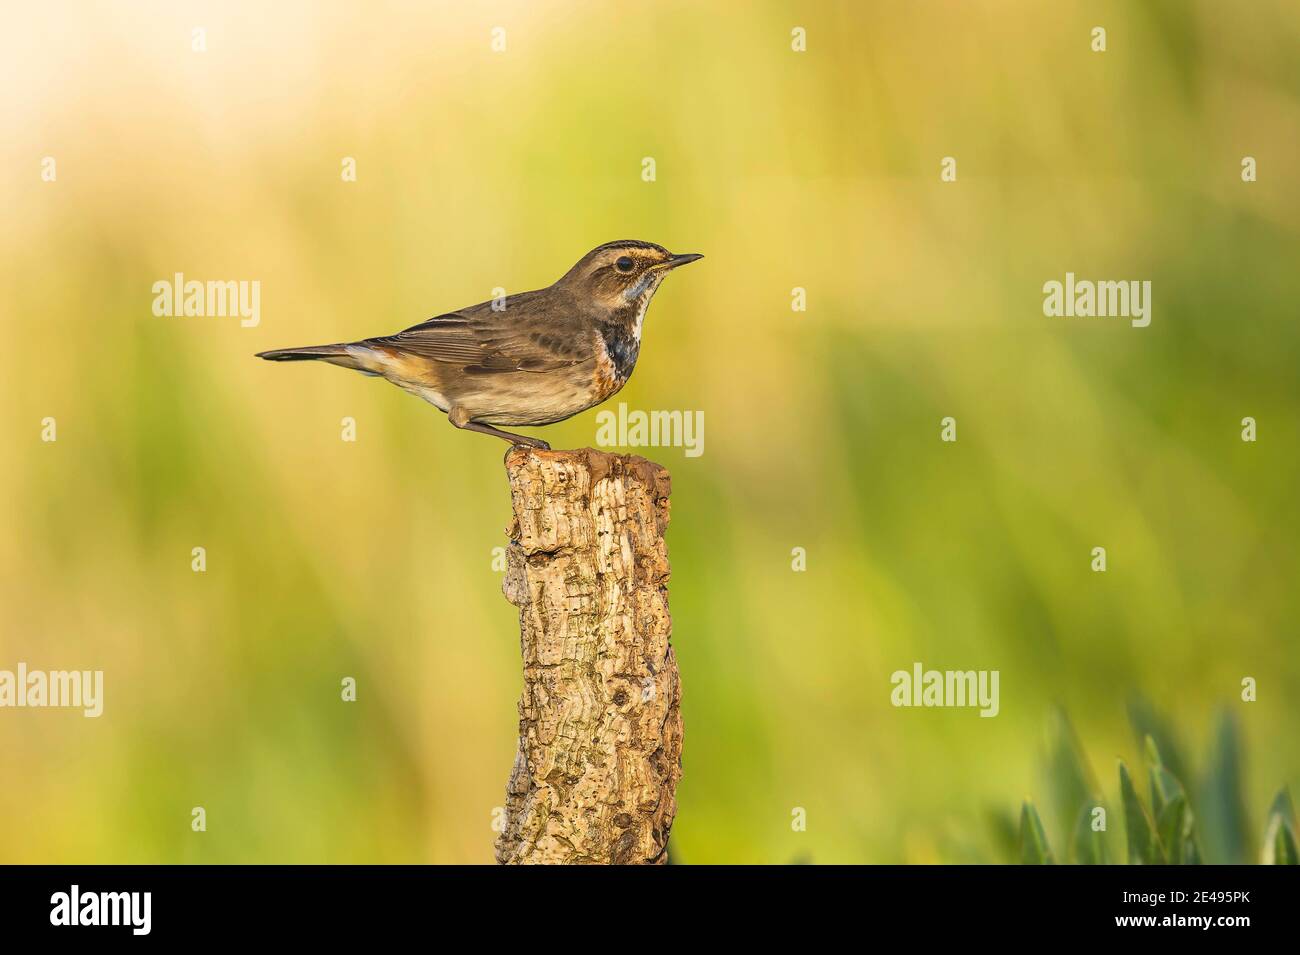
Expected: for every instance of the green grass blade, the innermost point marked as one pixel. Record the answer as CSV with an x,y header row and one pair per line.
x,y
1143,843
1034,849
1280,832
1221,808
1280,843
1070,778
1147,722
1171,823
1087,847
1282,807
1175,822
1165,787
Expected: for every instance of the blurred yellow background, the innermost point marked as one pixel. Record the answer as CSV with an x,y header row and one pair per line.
x,y
479,168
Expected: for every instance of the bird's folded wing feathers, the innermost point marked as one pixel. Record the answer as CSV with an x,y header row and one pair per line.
x,y
477,342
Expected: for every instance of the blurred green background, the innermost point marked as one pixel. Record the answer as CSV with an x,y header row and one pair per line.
x,y
478,169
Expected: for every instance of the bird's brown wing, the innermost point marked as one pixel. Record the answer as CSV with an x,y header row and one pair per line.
x,y
482,341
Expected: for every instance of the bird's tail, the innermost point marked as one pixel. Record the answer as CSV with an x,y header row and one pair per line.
x,y
334,354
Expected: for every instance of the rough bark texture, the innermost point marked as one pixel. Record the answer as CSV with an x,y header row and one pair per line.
x,y
600,731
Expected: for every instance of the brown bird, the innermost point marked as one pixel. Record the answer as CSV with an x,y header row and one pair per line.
x,y
529,359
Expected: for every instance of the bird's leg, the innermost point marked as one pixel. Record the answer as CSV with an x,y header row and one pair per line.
x,y
460,418
515,439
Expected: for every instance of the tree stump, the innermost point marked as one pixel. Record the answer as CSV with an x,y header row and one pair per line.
x,y
600,729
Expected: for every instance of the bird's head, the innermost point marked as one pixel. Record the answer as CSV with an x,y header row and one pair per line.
x,y
617,275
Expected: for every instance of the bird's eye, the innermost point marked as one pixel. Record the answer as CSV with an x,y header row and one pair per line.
x,y
624,264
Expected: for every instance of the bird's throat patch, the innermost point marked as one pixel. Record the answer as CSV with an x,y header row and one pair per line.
x,y
622,347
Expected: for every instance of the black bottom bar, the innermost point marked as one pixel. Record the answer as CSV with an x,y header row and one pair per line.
x,y
333,903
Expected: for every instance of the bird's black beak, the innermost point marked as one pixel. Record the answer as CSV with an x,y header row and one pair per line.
x,y
684,259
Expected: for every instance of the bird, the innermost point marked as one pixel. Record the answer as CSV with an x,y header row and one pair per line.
x,y
529,359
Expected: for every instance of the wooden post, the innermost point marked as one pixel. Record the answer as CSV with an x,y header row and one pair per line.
x,y
600,730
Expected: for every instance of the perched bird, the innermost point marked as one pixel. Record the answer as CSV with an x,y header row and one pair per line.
x,y
528,359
